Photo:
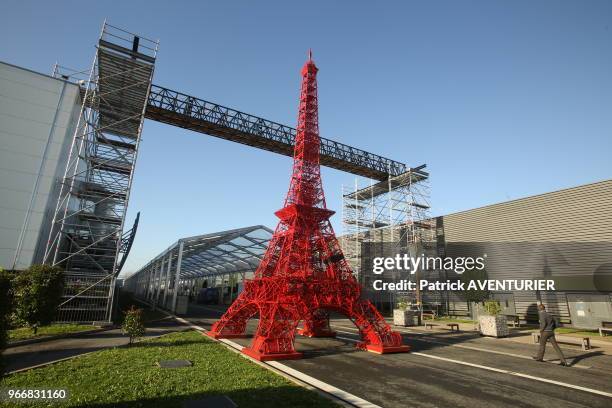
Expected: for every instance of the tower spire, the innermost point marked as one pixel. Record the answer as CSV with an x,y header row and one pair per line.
x,y
305,187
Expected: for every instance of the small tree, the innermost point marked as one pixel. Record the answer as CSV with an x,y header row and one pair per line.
x,y
6,300
133,323
37,295
492,307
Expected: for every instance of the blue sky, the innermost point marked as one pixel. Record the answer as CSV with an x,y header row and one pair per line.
x,y
501,99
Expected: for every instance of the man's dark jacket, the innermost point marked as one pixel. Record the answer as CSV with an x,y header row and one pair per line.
x,y
547,321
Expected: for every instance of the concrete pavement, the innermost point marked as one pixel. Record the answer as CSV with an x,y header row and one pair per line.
x,y
448,369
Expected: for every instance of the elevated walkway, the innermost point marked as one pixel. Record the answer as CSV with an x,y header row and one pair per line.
x,y
178,109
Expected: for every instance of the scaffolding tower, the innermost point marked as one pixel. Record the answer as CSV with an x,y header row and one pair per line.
x,y
394,212
86,238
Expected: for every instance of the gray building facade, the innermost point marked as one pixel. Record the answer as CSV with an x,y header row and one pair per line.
x,y
564,235
38,115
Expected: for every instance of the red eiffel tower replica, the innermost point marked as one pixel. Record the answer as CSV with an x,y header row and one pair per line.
x,y
303,274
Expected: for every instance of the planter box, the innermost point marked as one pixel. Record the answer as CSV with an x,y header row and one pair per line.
x,y
182,302
495,326
406,317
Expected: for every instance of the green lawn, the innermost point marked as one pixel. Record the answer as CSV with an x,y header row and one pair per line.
x,y
582,333
129,377
23,333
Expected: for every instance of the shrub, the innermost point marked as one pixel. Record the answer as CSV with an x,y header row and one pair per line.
x,y
6,301
37,294
133,323
492,307
403,305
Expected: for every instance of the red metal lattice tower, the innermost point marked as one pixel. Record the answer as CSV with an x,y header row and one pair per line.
x,y
303,274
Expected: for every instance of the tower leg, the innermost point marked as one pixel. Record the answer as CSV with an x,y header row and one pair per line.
x,y
275,334
317,325
376,334
233,322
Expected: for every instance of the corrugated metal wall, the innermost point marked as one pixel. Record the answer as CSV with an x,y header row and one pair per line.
x,y
562,234
579,214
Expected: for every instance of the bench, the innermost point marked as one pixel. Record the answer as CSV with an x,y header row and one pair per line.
x,y
514,319
605,327
430,314
453,326
585,342
463,313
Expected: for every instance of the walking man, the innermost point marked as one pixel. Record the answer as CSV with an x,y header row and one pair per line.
x,y
547,332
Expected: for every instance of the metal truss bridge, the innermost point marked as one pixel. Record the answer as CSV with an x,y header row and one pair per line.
x,y
178,109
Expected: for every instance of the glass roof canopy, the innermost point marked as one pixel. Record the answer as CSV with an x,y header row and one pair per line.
x,y
224,252
233,251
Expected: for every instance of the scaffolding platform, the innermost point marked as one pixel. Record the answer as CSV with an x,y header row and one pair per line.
x,y
87,239
410,176
394,211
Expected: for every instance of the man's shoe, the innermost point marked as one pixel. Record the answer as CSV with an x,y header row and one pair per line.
x,y
537,359
564,364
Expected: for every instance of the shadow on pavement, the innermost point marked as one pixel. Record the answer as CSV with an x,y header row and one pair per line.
x,y
577,358
284,396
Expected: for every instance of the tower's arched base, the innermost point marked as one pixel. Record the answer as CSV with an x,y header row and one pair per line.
x,y
274,339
